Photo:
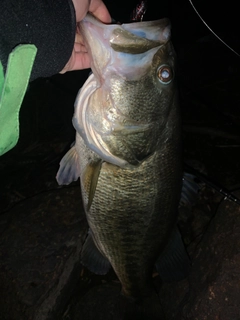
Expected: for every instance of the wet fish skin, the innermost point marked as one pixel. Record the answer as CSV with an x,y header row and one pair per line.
x,y
126,227
129,229
129,149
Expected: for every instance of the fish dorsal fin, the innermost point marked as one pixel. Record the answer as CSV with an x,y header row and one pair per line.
x,y
174,263
125,41
92,258
90,177
69,168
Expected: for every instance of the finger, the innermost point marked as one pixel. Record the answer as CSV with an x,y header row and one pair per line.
x,y
78,61
78,47
99,10
81,61
78,38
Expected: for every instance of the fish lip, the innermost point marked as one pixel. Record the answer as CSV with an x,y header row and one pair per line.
x,y
134,27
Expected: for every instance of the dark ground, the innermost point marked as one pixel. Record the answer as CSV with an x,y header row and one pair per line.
x,y
42,225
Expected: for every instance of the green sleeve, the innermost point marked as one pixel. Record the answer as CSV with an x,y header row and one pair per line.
x,y
12,90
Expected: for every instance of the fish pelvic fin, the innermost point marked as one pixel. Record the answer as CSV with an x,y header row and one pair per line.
x,y
146,308
69,170
92,258
174,263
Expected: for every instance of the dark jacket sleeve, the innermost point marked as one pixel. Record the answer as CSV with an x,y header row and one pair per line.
x,y
48,24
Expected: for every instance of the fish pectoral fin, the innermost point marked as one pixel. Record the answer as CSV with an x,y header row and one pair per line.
x,y
92,258
174,263
69,168
91,173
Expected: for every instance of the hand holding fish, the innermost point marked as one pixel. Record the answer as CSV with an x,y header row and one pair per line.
x,y
80,58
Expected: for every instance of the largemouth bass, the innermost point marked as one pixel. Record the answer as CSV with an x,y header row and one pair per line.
x,y
128,155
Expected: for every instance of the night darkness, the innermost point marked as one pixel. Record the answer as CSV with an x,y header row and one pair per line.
x,y
42,226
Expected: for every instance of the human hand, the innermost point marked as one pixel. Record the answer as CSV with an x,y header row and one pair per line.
x,y
80,58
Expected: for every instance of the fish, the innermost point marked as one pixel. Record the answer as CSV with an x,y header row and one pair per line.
x,y
128,155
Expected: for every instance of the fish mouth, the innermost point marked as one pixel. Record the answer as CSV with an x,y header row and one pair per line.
x,y
103,41
120,55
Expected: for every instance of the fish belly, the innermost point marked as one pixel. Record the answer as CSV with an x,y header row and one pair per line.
x,y
133,212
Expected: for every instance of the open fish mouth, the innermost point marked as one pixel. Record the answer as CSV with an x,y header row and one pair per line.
x,y
121,55
131,38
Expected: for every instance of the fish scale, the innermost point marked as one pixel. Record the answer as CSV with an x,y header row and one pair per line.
x,y
127,214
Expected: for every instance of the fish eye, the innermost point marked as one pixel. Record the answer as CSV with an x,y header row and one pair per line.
x,y
165,74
